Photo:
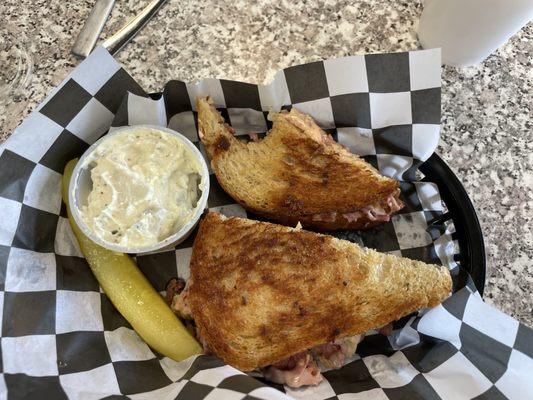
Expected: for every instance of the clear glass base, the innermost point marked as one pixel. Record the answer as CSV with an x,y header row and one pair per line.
x,y
16,68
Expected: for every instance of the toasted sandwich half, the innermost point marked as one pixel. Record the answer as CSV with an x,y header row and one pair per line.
x,y
286,301
297,173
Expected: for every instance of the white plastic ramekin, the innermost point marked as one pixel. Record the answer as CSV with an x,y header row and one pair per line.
x,y
81,184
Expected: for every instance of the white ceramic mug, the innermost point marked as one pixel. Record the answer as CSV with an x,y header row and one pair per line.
x,y
468,31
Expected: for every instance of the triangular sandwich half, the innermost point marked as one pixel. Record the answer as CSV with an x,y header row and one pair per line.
x,y
262,294
297,173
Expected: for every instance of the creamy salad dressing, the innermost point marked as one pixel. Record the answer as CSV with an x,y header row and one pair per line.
x,y
145,188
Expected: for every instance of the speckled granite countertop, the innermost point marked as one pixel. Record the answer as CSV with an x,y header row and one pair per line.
x,y
487,136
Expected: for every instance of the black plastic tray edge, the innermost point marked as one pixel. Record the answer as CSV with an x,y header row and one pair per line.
x,y
463,214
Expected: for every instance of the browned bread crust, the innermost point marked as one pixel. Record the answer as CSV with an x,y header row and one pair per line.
x,y
297,173
260,292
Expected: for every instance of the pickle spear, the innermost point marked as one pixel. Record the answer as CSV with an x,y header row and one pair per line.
x,y
132,294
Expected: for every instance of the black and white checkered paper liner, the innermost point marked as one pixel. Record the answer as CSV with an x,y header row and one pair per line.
x,y
62,338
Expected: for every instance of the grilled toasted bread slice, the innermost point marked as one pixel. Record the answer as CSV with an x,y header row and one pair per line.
x,y
297,173
260,292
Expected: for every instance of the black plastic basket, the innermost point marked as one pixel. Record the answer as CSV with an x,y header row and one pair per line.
x,y
461,211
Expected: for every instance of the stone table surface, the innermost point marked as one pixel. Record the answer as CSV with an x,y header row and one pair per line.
x,y
486,123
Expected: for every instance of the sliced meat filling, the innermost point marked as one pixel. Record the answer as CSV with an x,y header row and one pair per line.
x,y
295,371
174,286
303,368
333,354
177,297
374,212
180,305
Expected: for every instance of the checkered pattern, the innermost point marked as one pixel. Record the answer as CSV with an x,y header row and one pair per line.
x,y
62,338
